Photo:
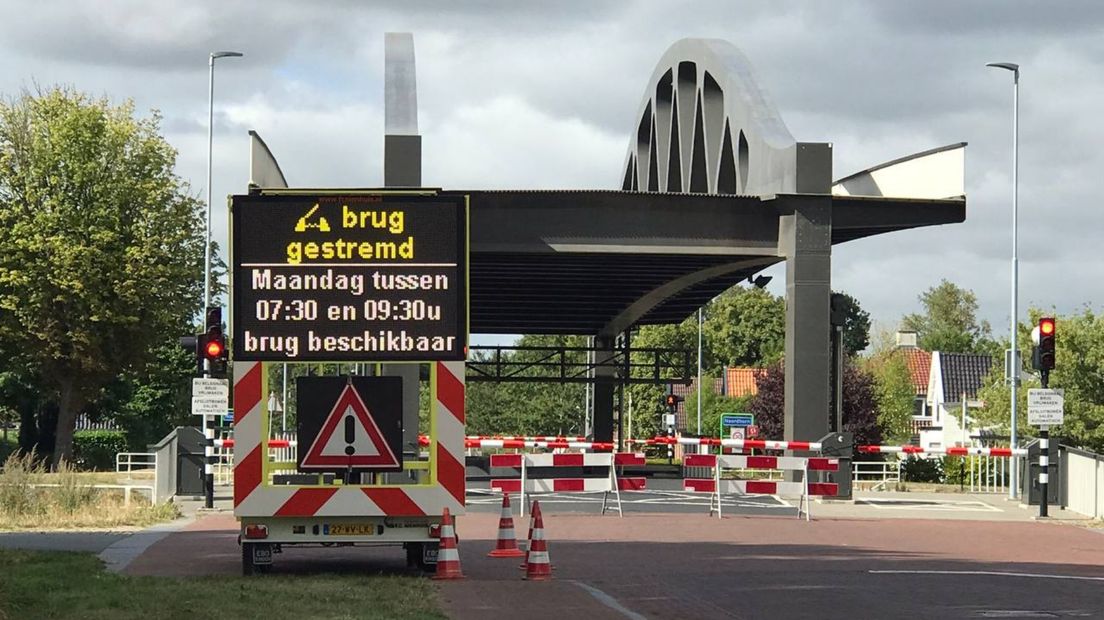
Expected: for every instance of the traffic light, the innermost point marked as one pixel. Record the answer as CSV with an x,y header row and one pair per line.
x,y
1046,343
212,343
191,345
672,401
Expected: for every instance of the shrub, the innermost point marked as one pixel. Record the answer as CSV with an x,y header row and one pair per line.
x,y
922,470
17,496
96,450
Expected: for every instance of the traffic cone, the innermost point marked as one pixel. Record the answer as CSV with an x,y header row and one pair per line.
x,y
528,539
506,547
448,557
537,565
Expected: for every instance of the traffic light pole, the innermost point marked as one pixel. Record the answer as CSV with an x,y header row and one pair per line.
x,y
1044,454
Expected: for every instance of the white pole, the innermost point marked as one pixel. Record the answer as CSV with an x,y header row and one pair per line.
x,y
283,421
628,422
699,369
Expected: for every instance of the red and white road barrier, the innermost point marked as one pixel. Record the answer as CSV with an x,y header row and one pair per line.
x,y
529,437
717,487
486,444
272,443
610,483
951,451
741,444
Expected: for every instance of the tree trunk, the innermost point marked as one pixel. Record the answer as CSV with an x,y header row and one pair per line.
x,y
69,405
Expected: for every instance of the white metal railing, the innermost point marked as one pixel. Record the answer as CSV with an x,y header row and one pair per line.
x,y
988,474
126,462
882,472
127,489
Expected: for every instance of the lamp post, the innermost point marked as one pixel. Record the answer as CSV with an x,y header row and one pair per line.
x,y
1013,357
210,142
699,369
208,429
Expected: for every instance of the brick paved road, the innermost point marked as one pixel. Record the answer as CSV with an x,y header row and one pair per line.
x,y
691,566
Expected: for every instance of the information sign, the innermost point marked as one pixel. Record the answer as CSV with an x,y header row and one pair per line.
x,y
1045,407
210,396
349,277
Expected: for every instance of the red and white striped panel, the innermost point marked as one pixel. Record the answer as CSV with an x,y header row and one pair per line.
x,y
527,437
518,444
568,485
952,451
254,499
759,487
761,462
588,459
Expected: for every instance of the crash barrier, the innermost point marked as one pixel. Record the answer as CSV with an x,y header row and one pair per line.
x,y
717,486
530,483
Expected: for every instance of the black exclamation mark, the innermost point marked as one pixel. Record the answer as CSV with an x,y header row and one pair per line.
x,y
350,435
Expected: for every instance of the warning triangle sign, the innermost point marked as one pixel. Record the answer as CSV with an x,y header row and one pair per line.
x,y
349,438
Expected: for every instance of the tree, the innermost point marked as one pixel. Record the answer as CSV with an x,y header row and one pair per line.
x,y
949,322
859,405
745,327
894,394
100,244
856,325
714,405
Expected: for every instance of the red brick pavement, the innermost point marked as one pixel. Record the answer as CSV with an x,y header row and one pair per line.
x,y
694,566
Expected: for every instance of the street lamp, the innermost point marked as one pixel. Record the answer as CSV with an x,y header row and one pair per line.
x,y
1013,355
210,141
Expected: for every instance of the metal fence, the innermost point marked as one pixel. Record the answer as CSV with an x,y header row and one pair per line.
x,y
1084,480
881,472
988,474
126,462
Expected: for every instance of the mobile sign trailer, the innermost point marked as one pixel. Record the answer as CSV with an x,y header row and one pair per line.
x,y
340,277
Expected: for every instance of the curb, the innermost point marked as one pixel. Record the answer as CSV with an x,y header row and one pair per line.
x,y
117,556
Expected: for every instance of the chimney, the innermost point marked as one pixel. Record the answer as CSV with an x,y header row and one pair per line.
x,y
906,339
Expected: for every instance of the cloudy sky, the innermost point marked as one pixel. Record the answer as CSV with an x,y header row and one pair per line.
x,y
543,94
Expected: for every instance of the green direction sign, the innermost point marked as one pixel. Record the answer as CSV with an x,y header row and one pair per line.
x,y
729,420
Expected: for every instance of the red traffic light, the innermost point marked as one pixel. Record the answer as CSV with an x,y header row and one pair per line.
x,y
214,348
1046,326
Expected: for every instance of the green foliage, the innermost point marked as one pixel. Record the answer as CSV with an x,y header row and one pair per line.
x,y
949,322
529,408
856,325
713,406
894,394
922,470
745,327
100,244
96,450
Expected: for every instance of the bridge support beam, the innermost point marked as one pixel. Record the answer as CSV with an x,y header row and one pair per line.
x,y
604,388
805,239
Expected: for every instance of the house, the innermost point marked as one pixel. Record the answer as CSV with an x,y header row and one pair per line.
x,y
919,366
953,384
735,383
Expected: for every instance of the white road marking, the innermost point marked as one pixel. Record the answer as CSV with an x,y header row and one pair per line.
x,y
989,573
609,601
927,505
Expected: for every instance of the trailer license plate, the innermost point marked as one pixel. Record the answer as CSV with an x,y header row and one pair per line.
x,y
358,529
262,554
429,554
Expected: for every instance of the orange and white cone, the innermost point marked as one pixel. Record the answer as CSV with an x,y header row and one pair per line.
x,y
448,556
528,538
506,547
537,565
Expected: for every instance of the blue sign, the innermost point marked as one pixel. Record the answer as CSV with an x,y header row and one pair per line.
x,y
729,420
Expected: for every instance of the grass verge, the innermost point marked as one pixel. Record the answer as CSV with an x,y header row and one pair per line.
x,y
70,502
58,586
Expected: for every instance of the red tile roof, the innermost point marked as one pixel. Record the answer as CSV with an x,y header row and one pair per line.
x,y
919,365
741,381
